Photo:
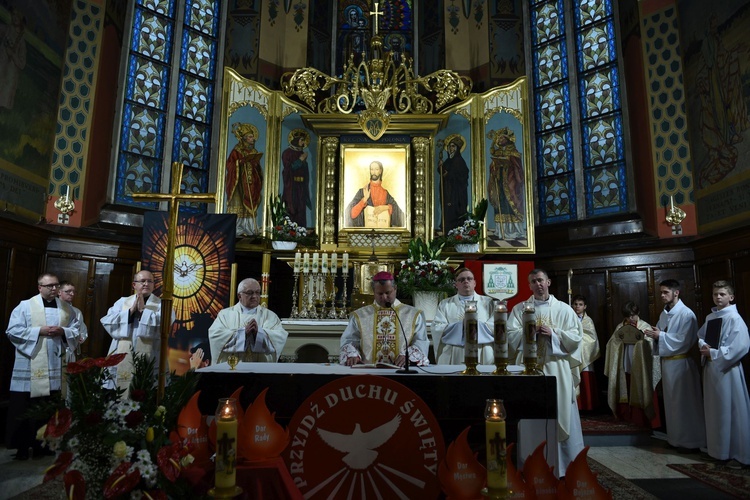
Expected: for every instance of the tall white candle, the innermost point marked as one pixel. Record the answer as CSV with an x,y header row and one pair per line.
x,y
306,263
334,262
324,264
297,261
315,258
346,260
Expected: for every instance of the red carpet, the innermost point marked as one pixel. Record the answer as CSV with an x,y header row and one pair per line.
x,y
721,477
608,424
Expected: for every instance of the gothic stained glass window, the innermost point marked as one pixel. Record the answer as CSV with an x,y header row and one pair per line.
x,y
588,153
157,38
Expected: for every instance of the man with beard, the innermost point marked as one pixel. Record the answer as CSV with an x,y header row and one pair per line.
x,y
296,176
454,179
373,206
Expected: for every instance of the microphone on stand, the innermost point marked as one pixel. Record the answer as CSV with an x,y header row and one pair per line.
x,y
405,369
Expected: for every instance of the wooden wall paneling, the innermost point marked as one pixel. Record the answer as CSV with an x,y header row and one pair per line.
x,y
690,293
708,273
740,275
628,285
112,280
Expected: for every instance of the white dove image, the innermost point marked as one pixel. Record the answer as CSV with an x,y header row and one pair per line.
x,y
359,446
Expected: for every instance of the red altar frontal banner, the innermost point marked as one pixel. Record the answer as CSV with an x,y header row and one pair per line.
x,y
365,436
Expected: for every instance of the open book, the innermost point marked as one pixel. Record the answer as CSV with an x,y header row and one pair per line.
x,y
375,365
383,219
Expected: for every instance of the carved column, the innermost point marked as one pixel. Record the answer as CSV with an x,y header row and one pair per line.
x,y
421,148
330,147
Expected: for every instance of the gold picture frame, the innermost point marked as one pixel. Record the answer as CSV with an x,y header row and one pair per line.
x,y
359,212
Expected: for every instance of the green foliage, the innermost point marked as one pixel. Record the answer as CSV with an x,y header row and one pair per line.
x,y
423,270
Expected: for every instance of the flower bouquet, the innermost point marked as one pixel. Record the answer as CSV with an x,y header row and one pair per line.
x,y
423,271
284,229
113,446
466,237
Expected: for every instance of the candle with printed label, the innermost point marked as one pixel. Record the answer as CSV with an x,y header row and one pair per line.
x,y
315,258
497,479
306,263
226,446
297,261
334,262
346,262
324,264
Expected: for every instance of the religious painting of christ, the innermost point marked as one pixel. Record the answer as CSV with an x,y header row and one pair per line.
x,y
374,186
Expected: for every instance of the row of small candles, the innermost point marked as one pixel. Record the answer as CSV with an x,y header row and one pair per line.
x,y
302,262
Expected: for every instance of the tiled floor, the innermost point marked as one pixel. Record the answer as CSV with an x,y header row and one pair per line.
x,y
19,476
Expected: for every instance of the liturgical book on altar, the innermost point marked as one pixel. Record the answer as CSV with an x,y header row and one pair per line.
x,y
376,365
713,333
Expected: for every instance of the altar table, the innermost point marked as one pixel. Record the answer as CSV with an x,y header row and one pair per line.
x,y
456,400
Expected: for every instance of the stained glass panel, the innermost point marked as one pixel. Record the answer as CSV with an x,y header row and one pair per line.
x,y
197,96
591,11
191,144
547,22
557,198
201,16
550,64
199,58
152,36
606,190
147,82
136,175
164,7
553,107
602,141
595,46
552,149
599,93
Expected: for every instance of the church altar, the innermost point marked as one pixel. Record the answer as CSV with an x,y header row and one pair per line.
x,y
457,400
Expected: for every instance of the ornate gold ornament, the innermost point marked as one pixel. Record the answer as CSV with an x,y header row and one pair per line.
x,y
675,215
384,82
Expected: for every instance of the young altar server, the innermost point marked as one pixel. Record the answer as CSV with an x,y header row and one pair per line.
x,y
587,397
448,329
723,341
254,332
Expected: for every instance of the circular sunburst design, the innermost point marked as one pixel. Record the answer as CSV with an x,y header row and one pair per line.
x,y
189,270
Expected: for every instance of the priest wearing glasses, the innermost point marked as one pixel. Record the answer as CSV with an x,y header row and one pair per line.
x,y
253,332
377,333
40,329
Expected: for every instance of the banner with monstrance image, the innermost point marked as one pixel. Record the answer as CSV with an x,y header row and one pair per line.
x,y
500,280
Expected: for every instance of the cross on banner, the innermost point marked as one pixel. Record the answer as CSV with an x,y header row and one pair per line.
x,y
377,13
173,199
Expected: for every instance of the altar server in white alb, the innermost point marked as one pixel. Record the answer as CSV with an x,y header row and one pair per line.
x,y
448,329
67,294
376,335
559,336
674,337
248,329
723,341
134,323
40,329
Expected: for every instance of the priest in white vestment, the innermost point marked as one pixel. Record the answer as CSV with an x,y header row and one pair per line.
x,y
448,328
559,337
134,323
253,332
675,336
378,333
725,397
41,329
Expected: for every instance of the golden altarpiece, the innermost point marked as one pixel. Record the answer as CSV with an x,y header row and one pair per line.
x,y
316,142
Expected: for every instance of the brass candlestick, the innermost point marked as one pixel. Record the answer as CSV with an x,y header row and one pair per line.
x,y
343,314
295,311
500,345
471,336
530,348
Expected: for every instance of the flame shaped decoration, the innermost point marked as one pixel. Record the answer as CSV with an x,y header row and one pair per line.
x,y
240,415
580,482
260,437
539,473
516,484
192,428
460,474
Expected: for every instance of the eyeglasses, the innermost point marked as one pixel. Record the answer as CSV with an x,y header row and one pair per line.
x,y
68,292
251,293
464,280
51,286
143,282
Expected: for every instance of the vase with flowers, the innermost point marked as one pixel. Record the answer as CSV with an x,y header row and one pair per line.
x,y
424,276
285,234
466,237
114,446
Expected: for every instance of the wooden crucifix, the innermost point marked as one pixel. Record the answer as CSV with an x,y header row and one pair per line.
x,y
173,199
